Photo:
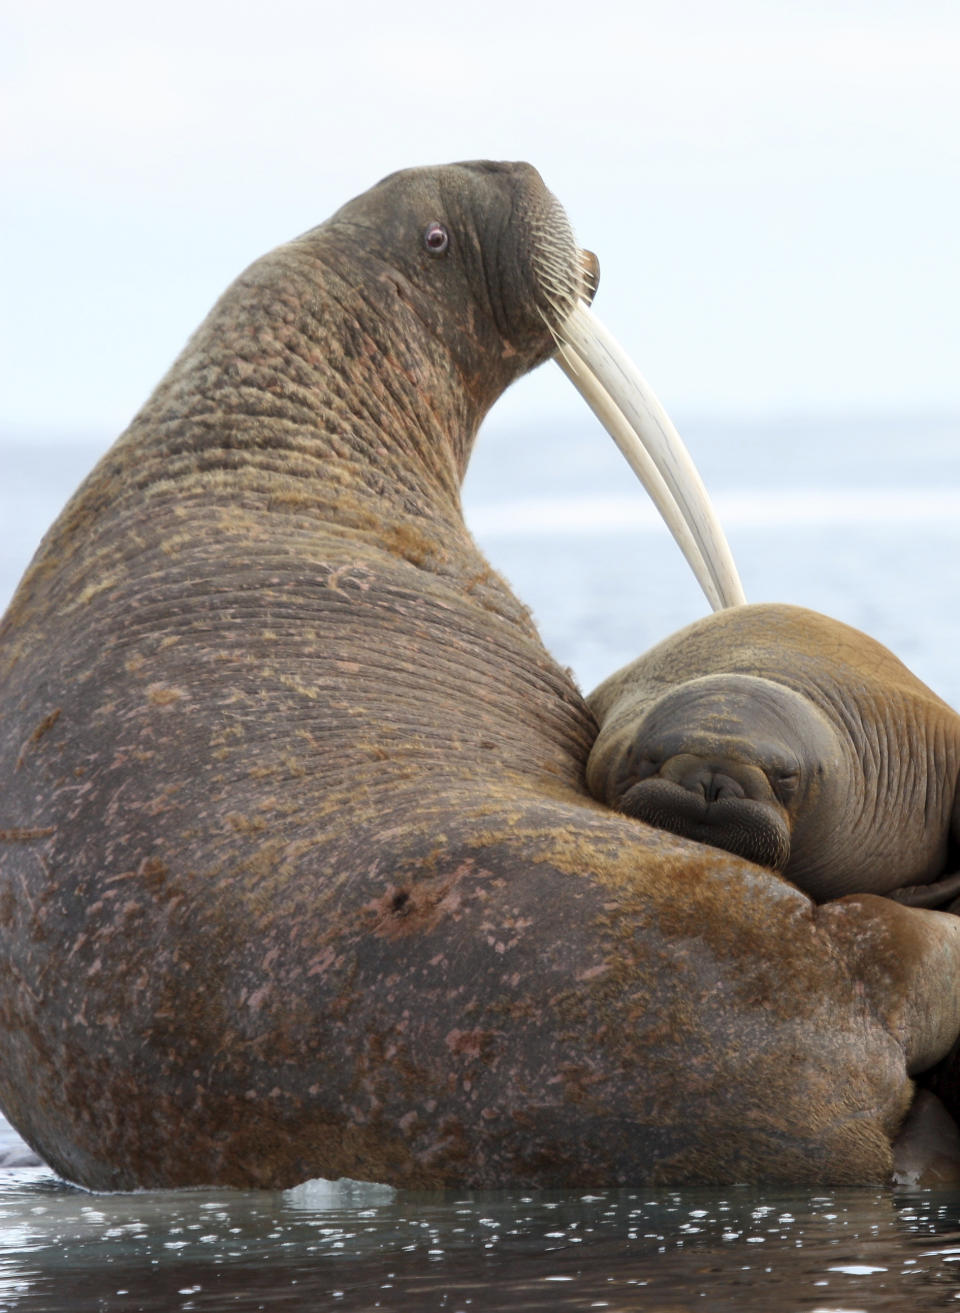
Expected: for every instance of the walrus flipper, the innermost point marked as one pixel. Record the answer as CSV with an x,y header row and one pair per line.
x,y
940,893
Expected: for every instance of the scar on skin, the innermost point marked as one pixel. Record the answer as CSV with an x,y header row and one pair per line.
x,y
46,724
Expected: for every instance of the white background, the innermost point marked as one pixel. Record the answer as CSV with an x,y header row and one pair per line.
x,y
772,188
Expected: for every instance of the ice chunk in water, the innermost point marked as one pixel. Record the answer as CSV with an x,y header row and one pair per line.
x,y
343,1193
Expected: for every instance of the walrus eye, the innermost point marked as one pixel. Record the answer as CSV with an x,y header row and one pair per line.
x,y
787,784
436,238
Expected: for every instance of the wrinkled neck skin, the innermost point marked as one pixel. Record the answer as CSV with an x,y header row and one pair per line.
x,y
317,389
886,817
309,357
306,449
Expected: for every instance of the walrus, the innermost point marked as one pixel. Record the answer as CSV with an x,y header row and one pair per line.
x,y
299,874
793,740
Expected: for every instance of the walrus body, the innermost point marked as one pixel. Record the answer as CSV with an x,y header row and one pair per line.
x,y
793,740
298,872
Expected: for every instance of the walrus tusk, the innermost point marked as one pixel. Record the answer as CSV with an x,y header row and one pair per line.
x,y
626,406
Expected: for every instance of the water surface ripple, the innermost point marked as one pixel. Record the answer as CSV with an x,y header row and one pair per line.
x,y
356,1247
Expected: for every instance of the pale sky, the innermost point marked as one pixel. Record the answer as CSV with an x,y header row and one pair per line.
x,y
773,188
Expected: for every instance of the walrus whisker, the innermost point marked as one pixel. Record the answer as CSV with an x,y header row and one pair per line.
x,y
558,302
625,404
551,329
555,272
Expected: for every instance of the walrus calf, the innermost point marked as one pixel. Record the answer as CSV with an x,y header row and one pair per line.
x,y
298,872
794,741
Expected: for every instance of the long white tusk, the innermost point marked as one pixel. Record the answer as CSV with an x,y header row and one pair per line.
x,y
642,464
623,401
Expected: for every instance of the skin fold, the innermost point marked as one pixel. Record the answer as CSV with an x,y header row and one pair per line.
x,y
299,875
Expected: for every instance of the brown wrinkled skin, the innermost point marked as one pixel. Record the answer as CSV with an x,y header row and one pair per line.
x,y
299,873
873,805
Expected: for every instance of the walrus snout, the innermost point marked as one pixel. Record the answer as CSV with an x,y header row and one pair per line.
x,y
712,807
716,800
713,778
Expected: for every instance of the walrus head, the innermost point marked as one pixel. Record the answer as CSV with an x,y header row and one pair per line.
x,y
484,255
735,761
484,251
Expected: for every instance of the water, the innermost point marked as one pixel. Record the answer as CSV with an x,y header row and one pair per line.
x,y
854,517
355,1247
858,518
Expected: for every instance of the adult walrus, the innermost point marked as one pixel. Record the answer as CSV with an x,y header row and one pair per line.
x,y
793,740
299,872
